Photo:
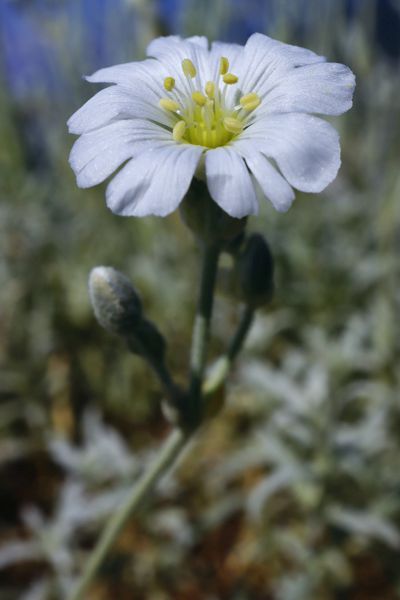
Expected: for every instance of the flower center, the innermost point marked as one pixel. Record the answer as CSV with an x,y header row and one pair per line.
x,y
205,117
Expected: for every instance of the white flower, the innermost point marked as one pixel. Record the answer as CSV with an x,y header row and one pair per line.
x,y
231,114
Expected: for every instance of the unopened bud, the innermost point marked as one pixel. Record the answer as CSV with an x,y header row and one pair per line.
x,y
115,301
254,272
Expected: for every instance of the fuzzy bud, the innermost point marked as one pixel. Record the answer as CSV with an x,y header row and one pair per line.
x,y
251,277
254,272
115,302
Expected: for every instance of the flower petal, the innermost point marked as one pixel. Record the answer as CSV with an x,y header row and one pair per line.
x,y
113,103
273,185
232,52
95,155
171,51
305,148
124,73
265,61
174,43
324,88
198,40
229,182
154,182
144,79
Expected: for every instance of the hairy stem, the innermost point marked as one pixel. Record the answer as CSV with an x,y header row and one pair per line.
x,y
165,458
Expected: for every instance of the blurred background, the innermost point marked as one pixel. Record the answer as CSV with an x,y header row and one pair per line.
x,y
293,492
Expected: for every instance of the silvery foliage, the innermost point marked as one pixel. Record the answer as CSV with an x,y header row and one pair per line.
x,y
320,432
98,474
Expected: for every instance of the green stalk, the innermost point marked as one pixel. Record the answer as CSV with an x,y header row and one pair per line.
x,y
222,367
167,455
201,332
178,438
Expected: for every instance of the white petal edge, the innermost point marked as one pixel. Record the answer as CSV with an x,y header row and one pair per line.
x,y
150,70
265,61
171,50
95,155
124,73
272,184
154,182
111,104
323,88
229,182
143,79
232,52
305,148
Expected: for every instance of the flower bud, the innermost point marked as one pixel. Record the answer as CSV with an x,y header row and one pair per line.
x,y
254,272
115,302
205,218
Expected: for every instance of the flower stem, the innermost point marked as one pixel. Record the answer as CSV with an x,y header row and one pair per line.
x,y
241,332
165,458
223,365
201,331
173,393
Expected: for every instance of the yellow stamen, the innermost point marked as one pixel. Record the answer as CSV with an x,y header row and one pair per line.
x,y
233,125
168,104
169,83
206,116
223,65
210,89
179,131
230,78
188,68
250,101
199,98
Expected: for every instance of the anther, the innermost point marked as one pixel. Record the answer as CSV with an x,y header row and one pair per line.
x,y
250,101
179,131
233,125
199,98
223,65
188,68
169,83
230,78
210,89
169,104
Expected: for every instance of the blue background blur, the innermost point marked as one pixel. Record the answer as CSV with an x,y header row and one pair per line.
x,y
43,42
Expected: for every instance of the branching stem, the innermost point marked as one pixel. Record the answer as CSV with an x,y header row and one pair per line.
x,y
198,389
